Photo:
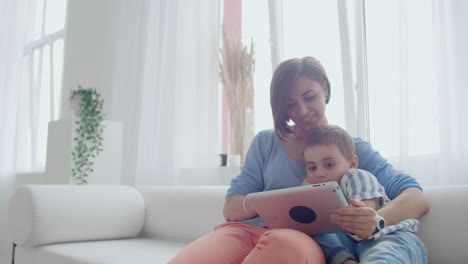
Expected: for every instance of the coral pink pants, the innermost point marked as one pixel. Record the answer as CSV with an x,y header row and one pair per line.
x,y
235,243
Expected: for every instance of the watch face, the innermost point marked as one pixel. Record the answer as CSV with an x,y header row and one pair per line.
x,y
381,223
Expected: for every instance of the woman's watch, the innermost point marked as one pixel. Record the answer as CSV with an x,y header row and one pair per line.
x,y
381,224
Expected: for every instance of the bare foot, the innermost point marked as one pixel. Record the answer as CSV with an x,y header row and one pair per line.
x,y
348,261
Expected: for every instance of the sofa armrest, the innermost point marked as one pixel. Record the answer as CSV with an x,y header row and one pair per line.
x,y
443,228
182,213
46,214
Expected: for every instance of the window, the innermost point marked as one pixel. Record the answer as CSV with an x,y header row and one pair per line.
x,y
41,95
394,68
402,81
400,64
317,37
255,26
310,28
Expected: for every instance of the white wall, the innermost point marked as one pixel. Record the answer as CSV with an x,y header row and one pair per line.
x,y
101,45
87,47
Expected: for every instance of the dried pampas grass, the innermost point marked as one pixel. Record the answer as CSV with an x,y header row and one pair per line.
x,y
237,65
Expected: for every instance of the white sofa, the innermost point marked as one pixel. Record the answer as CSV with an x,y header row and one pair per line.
x,y
65,224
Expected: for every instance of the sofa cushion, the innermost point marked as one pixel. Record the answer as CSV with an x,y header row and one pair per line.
x,y
124,251
45,214
182,213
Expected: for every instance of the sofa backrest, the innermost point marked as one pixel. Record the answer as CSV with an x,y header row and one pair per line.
x,y
45,214
182,213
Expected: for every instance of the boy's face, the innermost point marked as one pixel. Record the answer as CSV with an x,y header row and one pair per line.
x,y
326,163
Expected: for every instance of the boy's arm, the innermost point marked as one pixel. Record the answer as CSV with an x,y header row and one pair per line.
x,y
372,203
361,218
362,185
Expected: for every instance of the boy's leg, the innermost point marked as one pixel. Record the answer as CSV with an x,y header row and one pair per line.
x,y
228,244
285,246
337,247
395,248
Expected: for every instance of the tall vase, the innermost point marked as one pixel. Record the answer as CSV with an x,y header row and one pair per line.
x,y
236,135
242,121
249,131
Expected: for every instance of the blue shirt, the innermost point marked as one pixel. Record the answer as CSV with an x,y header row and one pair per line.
x,y
268,167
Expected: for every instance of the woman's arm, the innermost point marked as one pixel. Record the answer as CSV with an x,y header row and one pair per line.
x,y
411,203
360,219
249,180
237,208
405,192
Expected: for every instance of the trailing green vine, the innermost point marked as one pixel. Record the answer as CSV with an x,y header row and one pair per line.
x,y
88,133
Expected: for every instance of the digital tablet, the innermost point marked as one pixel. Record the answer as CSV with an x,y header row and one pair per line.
x,y
305,208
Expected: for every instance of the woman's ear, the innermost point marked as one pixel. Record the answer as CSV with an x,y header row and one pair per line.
x,y
354,162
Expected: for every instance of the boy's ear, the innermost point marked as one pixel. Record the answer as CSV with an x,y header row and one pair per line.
x,y
354,162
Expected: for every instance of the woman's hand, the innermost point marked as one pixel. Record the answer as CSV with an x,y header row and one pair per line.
x,y
238,207
359,219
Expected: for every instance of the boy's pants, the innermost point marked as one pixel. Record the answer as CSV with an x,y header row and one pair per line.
x,y
396,248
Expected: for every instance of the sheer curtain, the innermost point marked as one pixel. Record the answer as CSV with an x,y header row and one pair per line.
x,y
417,87
165,87
403,84
451,55
13,21
178,117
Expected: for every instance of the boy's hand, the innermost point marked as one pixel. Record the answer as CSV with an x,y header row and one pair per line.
x,y
306,182
359,219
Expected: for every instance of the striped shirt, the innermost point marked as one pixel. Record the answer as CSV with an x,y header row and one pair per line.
x,y
362,185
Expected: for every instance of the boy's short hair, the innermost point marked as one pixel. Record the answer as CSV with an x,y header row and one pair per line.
x,y
330,135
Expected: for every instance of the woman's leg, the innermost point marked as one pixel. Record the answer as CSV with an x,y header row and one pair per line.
x,y
399,247
229,243
285,246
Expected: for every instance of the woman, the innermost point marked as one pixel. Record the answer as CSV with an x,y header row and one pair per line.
x,y
300,90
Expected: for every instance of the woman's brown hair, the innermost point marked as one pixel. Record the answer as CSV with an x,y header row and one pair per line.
x,y
283,80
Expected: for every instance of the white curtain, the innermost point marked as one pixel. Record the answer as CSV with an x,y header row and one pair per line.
x,y
13,22
164,86
404,85
417,87
451,55
179,124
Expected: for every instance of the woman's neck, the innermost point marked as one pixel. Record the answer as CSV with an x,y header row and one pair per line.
x,y
301,134
294,148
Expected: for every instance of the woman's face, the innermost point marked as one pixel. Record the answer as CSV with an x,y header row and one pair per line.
x,y
306,106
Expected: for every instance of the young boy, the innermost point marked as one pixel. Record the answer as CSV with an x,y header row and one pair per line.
x,y
329,154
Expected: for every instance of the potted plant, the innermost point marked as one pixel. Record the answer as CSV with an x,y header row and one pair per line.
x,y
88,139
